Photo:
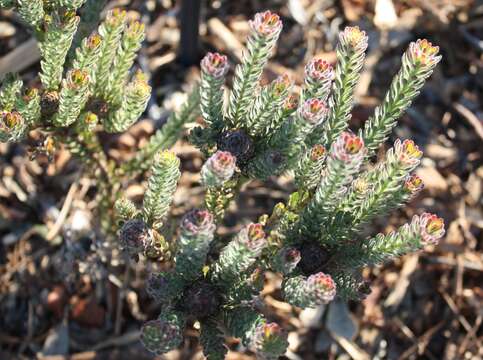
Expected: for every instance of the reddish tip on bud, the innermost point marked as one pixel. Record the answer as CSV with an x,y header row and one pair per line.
x,y
253,237
319,70
317,152
218,169
291,103
281,84
10,120
30,93
287,259
77,79
431,228
266,24
424,53
115,17
215,65
321,287
408,152
271,330
255,232
313,111
348,148
198,222
269,341
413,184
93,41
354,37
291,255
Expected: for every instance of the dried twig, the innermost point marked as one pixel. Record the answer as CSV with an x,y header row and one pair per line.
x,y
63,213
470,117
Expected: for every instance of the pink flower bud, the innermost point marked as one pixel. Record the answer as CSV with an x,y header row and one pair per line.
x,y
287,259
198,222
317,152
407,152
348,148
269,341
413,184
215,65
271,330
321,287
281,84
431,228
313,111
253,237
266,24
9,120
94,41
319,70
218,169
424,53
77,79
354,37
291,103
115,17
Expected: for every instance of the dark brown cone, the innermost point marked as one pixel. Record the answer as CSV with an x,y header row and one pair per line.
x,y
98,107
313,258
201,300
238,143
134,236
49,103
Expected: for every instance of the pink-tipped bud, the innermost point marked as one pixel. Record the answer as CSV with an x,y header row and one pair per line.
x,y
215,65
287,259
321,287
253,237
313,111
266,24
431,228
10,120
354,37
93,41
319,70
29,94
348,148
115,17
413,184
198,222
281,84
269,341
408,152
424,53
218,169
77,79
291,103
317,152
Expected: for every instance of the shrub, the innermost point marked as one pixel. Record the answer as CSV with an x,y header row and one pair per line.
x,y
313,240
